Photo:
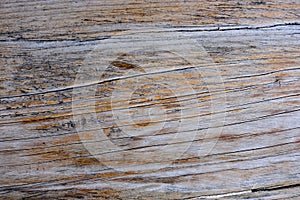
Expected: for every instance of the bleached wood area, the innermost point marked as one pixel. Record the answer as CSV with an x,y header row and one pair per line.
x,y
149,99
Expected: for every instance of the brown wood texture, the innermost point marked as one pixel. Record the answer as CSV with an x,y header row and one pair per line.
x,y
199,99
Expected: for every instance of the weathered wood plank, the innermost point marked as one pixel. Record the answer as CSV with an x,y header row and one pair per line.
x,y
71,20
245,85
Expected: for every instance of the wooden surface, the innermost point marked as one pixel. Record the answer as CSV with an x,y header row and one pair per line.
x,y
199,99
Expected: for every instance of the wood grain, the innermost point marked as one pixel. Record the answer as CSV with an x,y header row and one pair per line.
x,y
246,84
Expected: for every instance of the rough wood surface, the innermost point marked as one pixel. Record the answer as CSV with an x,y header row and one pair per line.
x,y
150,100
